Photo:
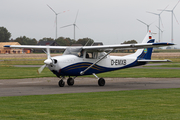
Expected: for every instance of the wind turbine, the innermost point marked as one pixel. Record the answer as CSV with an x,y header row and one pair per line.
x,y
172,13
56,17
74,24
145,24
160,20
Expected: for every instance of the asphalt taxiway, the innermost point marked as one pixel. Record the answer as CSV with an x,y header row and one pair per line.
x,y
43,86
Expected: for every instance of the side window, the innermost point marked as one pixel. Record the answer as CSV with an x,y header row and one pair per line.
x,y
101,54
88,55
80,54
91,55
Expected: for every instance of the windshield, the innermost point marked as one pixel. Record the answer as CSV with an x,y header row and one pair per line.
x,y
72,51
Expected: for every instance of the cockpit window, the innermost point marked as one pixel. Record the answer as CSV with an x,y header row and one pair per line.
x,y
72,51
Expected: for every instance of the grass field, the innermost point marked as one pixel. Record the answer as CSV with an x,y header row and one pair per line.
x,y
9,72
160,104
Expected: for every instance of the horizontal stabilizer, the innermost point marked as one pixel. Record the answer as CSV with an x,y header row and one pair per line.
x,y
154,61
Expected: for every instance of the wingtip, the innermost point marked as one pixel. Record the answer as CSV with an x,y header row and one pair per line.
x,y
7,46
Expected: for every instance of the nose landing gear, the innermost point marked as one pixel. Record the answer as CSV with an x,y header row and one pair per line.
x,y
70,82
61,83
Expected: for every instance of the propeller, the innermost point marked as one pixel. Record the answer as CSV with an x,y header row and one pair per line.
x,y
48,61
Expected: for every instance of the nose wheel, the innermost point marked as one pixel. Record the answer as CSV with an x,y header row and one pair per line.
x,y
70,82
61,83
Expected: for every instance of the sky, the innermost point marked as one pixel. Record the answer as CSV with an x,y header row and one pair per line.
x,y
107,21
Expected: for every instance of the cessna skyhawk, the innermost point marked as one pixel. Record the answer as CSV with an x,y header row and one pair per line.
x,y
91,60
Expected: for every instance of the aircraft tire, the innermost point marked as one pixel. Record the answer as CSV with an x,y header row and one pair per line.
x,y
70,81
61,83
101,82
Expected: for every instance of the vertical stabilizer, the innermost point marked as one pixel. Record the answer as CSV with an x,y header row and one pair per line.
x,y
146,52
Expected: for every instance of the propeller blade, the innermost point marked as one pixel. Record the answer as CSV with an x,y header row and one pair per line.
x,y
41,69
48,52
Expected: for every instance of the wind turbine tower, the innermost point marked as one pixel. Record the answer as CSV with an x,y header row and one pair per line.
x,y
172,14
74,24
160,20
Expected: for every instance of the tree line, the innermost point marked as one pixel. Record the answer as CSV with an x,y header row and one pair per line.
x,y
5,36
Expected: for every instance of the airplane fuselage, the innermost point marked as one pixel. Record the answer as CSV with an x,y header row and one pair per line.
x,y
72,65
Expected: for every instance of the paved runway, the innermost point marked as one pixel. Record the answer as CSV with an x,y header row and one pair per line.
x,y
42,86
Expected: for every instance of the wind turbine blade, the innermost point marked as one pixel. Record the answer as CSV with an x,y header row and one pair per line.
x,y
76,16
66,26
41,69
176,18
159,28
163,9
176,5
76,26
151,23
142,22
152,13
161,22
51,9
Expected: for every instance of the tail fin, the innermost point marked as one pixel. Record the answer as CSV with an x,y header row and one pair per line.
x,y
145,53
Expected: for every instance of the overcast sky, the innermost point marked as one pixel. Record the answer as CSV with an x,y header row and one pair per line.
x,y
107,21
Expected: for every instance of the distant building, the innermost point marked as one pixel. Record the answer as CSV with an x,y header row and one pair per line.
x,y
6,50
76,45
97,43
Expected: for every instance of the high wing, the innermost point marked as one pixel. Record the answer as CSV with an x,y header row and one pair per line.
x,y
97,48
126,46
36,46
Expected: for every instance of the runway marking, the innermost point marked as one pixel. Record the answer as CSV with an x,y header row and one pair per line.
x,y
29,82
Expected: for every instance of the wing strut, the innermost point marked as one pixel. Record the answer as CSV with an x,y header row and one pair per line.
x,y
82,72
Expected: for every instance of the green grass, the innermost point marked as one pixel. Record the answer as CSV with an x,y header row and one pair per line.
x,y
165,50
9,72
166,65
159,104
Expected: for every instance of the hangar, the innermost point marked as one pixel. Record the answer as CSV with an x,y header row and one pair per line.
x,y
4,50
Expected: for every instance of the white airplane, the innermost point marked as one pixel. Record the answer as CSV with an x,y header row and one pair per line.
x,y
91,60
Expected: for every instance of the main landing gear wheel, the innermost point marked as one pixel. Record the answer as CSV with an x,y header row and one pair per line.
x,y
70,81
61,83
101,82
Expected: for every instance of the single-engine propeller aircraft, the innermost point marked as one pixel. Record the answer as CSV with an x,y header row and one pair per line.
x,y
91,60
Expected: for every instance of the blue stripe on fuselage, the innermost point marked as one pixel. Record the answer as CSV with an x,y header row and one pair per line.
x,y
75,69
